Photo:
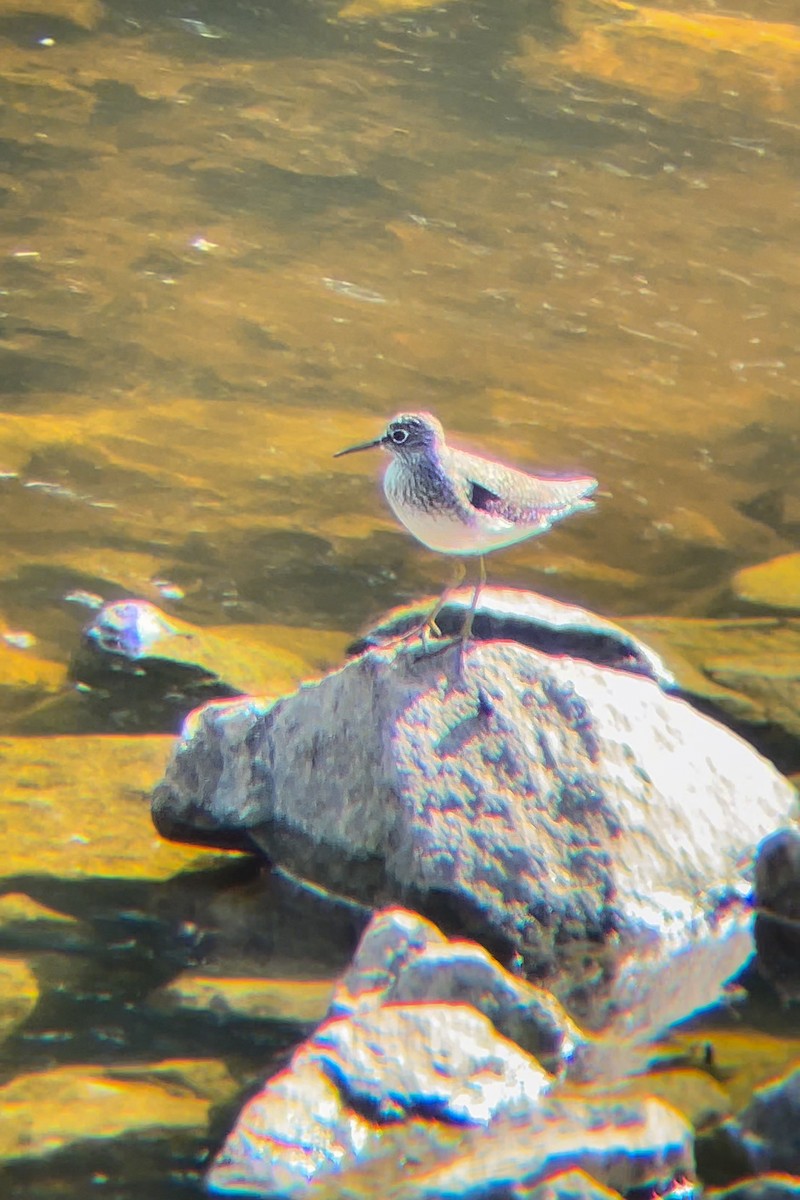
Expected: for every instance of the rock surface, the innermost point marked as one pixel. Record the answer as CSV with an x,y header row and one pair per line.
x,y
364,1081
48,1110
404,959
771,584
526,808
261,999
777,895
541,622
27,924
770,1186
768,1127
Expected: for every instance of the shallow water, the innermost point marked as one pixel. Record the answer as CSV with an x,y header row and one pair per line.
x,y
237,237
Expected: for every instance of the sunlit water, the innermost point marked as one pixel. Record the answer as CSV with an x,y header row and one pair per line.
x,y
237,237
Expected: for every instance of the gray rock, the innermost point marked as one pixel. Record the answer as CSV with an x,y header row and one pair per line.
x,y
359,1089
777,928
564,813
541,622
769,1128
404,959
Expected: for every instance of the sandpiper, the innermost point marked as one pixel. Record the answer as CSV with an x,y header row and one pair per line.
x,y
463,504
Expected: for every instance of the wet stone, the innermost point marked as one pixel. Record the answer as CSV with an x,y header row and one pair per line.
x,y
404,959
356,1092
767,1129
264,999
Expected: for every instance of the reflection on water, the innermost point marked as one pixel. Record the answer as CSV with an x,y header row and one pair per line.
x,y
239,236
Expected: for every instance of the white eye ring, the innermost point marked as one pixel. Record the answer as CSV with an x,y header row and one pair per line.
x,y
399,436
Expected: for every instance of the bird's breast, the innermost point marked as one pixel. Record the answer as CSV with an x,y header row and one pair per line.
x,y
431,510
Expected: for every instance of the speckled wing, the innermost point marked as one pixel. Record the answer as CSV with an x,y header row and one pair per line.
x,y
532,501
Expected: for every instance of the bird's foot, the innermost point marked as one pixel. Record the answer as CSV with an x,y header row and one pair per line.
x,y
429,648
423,630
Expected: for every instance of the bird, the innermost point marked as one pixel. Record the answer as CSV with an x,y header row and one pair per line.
x,y
463,504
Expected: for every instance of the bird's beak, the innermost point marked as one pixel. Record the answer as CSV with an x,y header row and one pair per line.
x,y
361,446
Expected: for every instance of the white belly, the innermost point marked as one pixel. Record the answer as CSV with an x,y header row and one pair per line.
x,y
454,531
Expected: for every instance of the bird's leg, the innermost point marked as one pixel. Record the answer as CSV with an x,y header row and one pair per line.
x,y
429,625
466,631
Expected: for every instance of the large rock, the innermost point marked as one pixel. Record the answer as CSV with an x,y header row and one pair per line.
x,y
565,814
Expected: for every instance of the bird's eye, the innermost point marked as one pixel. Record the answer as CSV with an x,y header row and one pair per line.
x,y
399,436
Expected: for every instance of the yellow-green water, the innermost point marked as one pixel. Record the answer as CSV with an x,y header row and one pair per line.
x,y
237,237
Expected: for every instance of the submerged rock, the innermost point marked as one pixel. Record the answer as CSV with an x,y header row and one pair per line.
x,y
47,1111
671,58
19,993
301,1000
27,924
85,13
771,584
571,815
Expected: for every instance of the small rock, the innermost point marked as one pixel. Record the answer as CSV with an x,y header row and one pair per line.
x,y
143,668
768,1127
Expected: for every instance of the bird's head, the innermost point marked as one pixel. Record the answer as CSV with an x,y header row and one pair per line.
x,y
407,435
